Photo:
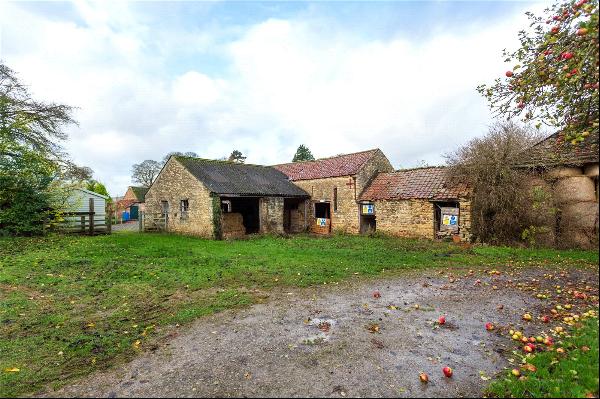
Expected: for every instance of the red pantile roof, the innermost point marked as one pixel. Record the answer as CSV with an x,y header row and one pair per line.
x,y
341,165
420,183
555,150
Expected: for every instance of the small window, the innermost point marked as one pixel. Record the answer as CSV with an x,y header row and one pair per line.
x,y
226,206
335,199
184,206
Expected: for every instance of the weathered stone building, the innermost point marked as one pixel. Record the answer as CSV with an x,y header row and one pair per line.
x,y
417,202
352,193
334,185
220,199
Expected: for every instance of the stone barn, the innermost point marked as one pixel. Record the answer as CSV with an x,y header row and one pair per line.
x,y
334,185
221,199
568,172
418,202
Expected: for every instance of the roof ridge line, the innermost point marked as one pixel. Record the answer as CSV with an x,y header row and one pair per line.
x,y
223,161
420,168
326,158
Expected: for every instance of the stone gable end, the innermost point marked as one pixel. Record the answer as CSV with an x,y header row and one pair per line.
x,y
174,184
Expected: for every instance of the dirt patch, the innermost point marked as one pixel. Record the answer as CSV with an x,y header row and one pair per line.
x,y
356,339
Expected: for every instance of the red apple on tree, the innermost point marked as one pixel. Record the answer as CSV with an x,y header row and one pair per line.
x,y
567,55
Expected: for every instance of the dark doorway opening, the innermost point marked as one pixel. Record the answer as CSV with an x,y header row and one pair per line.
x,y
368,224
439,230
249,209
290,214
134,212
322,210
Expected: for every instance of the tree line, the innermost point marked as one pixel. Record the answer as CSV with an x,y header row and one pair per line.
x,y
554,81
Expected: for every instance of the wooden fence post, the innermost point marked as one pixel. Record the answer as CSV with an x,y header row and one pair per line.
x,y
141,221
108,222
91,216
82,223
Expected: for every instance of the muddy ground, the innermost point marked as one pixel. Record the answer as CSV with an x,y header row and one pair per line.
x,y
336,341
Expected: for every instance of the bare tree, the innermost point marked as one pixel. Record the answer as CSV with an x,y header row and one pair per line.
x,y
501,200
144,173
77,173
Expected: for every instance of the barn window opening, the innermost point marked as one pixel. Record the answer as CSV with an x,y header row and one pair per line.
x,y
226,206
184,207
322,210
335,199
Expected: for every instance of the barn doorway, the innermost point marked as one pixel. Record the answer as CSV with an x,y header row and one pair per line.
x,y
323,210
291,222
322,218
368,224
446,216
134,212
248,208
368,221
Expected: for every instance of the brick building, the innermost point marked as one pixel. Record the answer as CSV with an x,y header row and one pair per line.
x,y
132,203
418,202
334,185
221,199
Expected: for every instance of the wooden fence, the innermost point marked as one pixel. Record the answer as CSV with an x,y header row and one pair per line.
x,y
153,221
90,222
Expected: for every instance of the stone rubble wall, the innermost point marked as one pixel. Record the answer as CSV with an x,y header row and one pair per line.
x,y
415,218
271,215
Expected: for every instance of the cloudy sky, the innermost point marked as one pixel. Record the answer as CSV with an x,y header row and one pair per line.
x,y
154,77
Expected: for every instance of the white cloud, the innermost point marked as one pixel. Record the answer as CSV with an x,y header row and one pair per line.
x,y
287,82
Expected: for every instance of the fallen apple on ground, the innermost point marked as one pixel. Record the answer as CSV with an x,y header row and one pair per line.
x,y
447,371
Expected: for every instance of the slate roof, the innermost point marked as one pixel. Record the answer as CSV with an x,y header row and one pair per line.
x,y
341,165
139,192
230,178
429,183
555,150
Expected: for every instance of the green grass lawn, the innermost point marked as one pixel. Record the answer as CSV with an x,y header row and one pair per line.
x,y
573,374
71,305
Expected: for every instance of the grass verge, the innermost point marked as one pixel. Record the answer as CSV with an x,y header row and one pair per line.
x,y
73,305
573,374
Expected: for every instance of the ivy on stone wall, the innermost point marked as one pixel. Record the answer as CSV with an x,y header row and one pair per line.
x,y
217,226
